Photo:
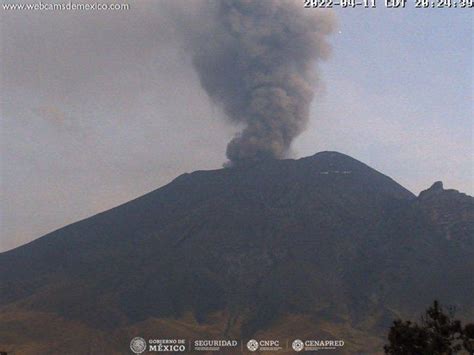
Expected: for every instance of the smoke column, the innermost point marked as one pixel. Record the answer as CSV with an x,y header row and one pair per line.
x,y
257,60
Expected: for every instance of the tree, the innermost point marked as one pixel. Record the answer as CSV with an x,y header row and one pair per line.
x,y
437,334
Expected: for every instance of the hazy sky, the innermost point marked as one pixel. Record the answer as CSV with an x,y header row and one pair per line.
x,y
100,107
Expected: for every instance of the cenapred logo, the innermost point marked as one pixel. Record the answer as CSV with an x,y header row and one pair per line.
x,y
138,345
316,345
252,345
297,345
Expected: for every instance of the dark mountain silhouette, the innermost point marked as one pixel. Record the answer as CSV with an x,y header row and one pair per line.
x,y
325,242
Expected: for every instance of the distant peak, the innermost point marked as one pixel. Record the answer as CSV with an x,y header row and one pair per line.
x,y
436,188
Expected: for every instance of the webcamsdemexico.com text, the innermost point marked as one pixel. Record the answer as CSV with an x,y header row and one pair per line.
x,y
66,6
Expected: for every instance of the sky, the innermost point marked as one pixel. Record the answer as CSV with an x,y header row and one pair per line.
x,y
98,108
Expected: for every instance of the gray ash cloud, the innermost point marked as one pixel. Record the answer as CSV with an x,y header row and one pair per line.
x,y
258,61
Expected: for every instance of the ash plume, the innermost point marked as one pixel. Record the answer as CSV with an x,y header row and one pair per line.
x,y
257,59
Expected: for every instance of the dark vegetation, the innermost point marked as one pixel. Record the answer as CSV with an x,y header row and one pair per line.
x,y
437,333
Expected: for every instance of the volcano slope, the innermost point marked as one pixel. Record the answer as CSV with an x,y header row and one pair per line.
x,y
322,247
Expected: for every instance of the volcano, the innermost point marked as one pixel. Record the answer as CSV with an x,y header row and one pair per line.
x,y
322,247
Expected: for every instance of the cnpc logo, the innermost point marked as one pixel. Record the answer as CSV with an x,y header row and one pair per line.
x,y
254,345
